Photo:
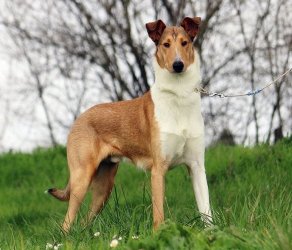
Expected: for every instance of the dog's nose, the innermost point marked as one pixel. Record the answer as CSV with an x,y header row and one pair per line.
x,y
178,66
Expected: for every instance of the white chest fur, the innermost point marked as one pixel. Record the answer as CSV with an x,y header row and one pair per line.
x,y
177,110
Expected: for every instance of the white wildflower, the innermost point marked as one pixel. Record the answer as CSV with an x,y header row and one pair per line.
x,y
49,246
96,234
135,237
114,243
120,238
56,247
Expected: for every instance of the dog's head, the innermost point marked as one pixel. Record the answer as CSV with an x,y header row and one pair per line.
x,y
174,48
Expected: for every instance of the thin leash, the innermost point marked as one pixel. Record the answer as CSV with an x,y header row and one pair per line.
x,y
250,93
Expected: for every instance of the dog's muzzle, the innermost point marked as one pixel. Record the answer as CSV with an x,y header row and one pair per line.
x,y
178,66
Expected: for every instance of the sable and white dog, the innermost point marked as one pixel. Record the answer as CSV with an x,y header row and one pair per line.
x,y
162,128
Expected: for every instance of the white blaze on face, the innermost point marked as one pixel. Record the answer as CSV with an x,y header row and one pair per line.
x,y
177,56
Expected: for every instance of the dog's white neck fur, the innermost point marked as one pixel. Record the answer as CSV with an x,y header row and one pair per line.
x,y
177,109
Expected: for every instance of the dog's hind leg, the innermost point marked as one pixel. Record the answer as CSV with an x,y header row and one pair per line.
x,y
102,184
83,161
79,183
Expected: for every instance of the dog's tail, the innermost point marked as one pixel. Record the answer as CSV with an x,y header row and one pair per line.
x,y
62,195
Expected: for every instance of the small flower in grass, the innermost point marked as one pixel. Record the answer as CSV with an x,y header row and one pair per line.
x,y
135,237
114,243
54,246
96,234
120,238
49,246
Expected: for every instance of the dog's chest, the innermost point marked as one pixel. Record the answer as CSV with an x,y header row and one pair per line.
x,y
179,120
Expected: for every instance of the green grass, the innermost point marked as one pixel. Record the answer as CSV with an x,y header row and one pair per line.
x,y
250,191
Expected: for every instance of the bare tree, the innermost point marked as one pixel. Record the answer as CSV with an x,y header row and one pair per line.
x,y
278,53
5,120
82,52
266,61
250,45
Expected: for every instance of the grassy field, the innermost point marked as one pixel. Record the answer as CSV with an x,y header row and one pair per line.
x,y
250,191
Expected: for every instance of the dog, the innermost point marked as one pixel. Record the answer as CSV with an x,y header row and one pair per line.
x,y
156,131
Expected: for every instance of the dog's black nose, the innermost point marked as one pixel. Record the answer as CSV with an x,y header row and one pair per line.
x,y
178,66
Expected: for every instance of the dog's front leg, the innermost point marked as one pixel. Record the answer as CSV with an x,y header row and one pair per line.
x,y
195,161
157,186
200,186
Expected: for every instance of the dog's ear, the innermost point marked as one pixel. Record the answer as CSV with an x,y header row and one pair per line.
x,y
155,30
191,26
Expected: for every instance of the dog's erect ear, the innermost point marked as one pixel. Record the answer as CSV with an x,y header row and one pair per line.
x,y
191,26
155,30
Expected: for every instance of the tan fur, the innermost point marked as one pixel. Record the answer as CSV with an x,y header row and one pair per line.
x,y
124,128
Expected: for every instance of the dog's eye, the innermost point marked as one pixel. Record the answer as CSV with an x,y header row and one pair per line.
x,y
166,45
184,43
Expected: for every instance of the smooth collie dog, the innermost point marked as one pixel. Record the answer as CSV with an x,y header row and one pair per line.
x,y
162,128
